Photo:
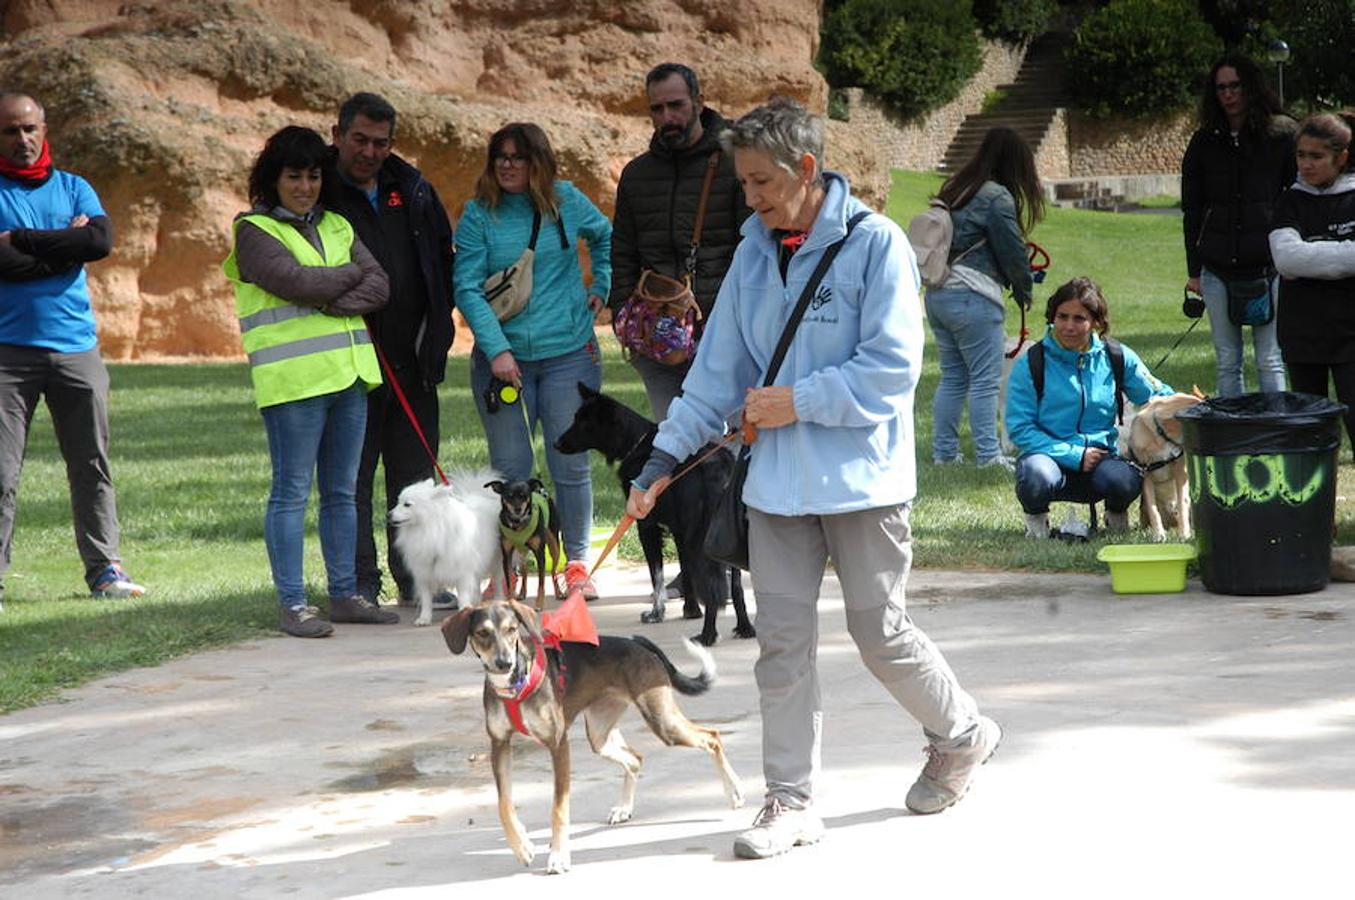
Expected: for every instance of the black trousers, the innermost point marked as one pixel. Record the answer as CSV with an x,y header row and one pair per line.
x,y
392,440
1311,378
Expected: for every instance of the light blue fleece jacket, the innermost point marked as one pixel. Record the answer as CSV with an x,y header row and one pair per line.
x,y
557,319
1077,409
854,364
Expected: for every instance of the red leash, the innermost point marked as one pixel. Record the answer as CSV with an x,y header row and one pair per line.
x,y
404,404
1035,252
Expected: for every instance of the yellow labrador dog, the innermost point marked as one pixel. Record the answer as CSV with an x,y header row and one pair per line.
x,y
1154,443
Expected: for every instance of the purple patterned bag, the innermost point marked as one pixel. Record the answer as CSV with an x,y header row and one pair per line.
x,y
658,321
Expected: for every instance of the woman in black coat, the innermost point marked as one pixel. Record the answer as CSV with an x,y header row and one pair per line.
x,y
1237,164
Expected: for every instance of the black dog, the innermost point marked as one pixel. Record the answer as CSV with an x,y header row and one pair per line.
x,y
625,437
528,521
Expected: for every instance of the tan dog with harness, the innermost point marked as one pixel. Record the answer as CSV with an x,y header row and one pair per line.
x,y
1154,445
538,679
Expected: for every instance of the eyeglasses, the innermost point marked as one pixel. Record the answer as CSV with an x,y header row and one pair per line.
x,y
512,161
1224,87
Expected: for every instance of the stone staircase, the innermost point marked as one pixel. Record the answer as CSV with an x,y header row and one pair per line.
x,y
1028,107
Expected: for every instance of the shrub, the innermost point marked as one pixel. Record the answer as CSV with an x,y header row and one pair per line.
x,y
1140,57
915,55
1013,20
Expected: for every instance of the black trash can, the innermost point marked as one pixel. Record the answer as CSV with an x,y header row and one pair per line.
x,y
1263,490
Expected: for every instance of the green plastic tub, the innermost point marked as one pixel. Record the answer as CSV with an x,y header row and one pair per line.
x,y
1147,568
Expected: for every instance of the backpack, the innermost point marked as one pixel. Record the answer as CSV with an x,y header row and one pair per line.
x,y
1113,349
931,233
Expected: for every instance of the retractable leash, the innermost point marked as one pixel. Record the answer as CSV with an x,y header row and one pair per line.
x,y
1038,259
1192,307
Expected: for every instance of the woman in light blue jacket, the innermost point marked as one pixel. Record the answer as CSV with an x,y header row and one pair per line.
x,y
995,201
548,348
1066,432
832,470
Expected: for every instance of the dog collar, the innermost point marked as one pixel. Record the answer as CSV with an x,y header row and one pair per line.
x,y
512,703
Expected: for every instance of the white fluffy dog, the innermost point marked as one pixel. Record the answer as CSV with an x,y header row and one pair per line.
x,y
448,535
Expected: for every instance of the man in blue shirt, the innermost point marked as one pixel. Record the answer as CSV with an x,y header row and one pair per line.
x,y
51,224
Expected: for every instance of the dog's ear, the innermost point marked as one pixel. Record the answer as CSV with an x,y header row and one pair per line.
x,y
536,484
455,630
527,617
495,486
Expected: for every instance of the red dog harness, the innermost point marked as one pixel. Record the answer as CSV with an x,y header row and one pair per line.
x,y
571,622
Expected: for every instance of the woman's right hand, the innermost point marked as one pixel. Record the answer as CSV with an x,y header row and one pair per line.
x,y
641,503
1091,458
505,368
1193,284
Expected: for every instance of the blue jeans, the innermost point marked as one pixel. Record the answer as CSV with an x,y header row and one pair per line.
x,y
969,339
321,435
1228,353
1039,480
550,395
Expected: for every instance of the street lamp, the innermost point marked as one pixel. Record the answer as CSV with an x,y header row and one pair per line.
x,y
1278,53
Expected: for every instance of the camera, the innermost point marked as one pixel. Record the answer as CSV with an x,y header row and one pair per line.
x,y
499,394
1192,305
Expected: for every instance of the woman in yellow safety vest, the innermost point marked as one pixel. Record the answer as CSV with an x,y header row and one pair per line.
x,y
302,283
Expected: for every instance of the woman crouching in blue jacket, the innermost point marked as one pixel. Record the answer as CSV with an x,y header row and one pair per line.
x,y
1066,432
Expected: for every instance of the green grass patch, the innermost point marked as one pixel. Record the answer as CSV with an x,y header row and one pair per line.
x,y
191,466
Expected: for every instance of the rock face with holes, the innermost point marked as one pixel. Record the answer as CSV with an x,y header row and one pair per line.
x,y
163,105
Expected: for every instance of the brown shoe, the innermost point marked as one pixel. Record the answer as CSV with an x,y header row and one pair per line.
x,y
301,621
357,611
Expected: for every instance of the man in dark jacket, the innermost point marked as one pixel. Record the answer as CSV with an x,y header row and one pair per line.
x,y
397,215
656,205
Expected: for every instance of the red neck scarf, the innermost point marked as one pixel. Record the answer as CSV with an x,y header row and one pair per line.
x,y
35,174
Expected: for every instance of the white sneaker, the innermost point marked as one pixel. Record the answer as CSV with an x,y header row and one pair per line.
x,y
948,773
1037,525
1117,521
777,829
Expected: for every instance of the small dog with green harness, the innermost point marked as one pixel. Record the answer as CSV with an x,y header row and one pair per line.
x,y
528,522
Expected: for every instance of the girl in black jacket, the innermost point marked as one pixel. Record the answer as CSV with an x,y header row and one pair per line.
x,y
1234,169
1313,244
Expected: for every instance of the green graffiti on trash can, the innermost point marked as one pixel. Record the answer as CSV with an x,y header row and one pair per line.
x,y
1216,473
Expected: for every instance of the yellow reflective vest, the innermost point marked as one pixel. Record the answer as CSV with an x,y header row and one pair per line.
x,y
296,352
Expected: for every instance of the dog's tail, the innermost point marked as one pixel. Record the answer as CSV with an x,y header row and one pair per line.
x,y
684,684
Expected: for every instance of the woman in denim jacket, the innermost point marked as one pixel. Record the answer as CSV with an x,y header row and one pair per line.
x,y
995,201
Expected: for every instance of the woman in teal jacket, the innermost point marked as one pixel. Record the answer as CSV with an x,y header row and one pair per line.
x,y
1066,433
548,348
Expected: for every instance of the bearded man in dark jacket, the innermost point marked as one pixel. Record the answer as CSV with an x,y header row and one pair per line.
x,y
398,216
656,206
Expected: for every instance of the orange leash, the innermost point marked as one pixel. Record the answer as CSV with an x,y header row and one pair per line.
x,y
749,433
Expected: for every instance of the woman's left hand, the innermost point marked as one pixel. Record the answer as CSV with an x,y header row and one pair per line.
x,y
770,407
596,304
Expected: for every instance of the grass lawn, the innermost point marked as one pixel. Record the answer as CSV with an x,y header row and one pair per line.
x,y
191,467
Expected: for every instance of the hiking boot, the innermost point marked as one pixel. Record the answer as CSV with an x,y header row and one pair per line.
x,y
777,829
357,611
1117,522
488,593
1037,525
955,460
446,600
674,588
576,578
947,774
115,584
302,622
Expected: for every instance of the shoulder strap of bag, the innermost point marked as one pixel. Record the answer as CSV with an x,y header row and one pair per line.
x,y
536,229
806,295
706,182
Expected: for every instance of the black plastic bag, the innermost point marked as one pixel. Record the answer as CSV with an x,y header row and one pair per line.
x,y
727,533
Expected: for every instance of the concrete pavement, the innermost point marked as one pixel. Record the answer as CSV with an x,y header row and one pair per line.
x,y
1165,746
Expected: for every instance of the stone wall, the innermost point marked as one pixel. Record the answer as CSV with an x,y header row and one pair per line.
x,y
920,144
1052,157
1123,146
